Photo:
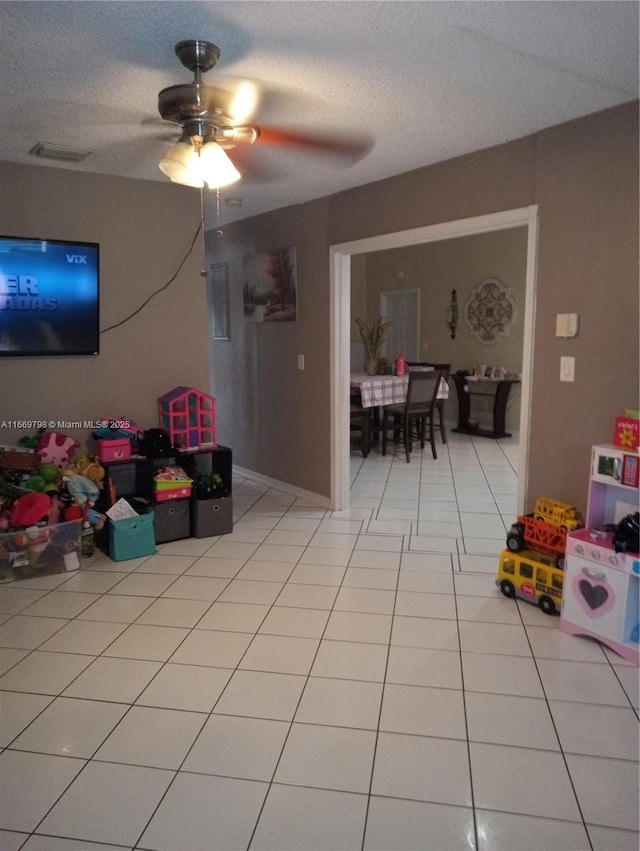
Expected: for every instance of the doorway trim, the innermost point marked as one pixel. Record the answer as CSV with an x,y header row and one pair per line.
x,y
340,295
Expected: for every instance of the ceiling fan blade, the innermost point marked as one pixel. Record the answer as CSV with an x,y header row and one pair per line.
x,y
254,169
229,137
269,99
352,148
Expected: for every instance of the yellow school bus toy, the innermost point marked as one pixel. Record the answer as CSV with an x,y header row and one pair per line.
x,y
530,577
559,513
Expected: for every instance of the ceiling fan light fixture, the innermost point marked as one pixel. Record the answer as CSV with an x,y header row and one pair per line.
x,y
191,163
180,164
217,170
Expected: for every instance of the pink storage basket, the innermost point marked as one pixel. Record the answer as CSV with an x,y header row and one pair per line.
x,y
173,493
114,450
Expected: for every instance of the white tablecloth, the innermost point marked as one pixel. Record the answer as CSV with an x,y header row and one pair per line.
x,y
376,390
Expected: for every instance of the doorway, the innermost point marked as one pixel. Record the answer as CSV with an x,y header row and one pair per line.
x,y
340,260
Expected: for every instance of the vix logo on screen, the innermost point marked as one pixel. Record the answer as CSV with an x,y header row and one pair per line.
x,y
21,292
77,258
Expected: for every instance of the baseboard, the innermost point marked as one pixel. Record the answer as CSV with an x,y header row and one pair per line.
x,y
283,487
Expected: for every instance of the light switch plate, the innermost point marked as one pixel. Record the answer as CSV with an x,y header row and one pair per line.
x,y
567,369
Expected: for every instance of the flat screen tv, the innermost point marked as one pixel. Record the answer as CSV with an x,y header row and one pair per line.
x,y
49,297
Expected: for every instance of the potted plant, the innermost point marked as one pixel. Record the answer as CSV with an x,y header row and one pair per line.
x,y
373,335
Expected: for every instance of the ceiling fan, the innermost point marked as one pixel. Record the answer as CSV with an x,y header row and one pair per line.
x,y
214,123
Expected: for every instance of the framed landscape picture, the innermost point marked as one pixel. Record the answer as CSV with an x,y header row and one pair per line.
x,y
270,286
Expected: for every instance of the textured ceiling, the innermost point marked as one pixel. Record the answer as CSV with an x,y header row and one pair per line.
x,y
425,81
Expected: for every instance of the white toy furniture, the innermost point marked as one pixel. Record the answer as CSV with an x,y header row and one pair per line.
x,y
601,588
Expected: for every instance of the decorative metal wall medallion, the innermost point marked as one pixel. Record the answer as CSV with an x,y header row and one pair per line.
x,y
489,310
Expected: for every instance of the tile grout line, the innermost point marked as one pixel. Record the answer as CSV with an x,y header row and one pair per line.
x,y
466,721
297,706
192,629
557,735
380,710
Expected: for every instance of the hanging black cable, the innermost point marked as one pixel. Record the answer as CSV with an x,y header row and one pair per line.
x,y
164,286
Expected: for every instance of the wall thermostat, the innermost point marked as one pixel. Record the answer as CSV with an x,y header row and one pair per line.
x,y
566,324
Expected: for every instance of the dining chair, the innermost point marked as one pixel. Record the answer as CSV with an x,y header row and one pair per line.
x,y
445,369
418,410
360,421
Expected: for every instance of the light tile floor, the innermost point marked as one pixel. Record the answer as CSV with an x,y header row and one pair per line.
x,y
316,680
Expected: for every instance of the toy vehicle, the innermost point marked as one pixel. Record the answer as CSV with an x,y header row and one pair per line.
x,y
528,532
559,513
524,575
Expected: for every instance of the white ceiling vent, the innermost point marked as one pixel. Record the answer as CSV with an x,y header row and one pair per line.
x,y
59,152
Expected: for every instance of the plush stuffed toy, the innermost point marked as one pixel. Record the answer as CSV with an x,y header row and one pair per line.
x,y
29,509
96,519
5,514
56,448
55,511
72,512
31,441
82,489
46,479
88,466
84,493
35,483
88,515
51,476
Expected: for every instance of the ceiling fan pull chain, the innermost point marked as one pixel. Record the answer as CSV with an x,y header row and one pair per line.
x,y
203,271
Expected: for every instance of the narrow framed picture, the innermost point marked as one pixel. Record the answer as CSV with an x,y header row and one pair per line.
x,y
220,310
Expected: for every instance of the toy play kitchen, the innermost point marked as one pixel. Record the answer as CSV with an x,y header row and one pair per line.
x,y
602,573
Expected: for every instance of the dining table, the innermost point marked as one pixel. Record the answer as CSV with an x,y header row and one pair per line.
x,y
379,390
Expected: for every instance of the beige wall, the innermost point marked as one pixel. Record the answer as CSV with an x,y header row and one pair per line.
x,y
274,416
583,176
145,230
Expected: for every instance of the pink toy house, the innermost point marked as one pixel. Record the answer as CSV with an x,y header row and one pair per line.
x,y
189,416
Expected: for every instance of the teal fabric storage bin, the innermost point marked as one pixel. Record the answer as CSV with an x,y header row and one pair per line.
x,y
132,537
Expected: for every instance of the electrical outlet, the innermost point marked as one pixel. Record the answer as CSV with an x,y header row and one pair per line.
x,y
301,362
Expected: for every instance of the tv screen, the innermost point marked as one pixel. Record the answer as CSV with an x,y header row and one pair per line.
x,y
49,297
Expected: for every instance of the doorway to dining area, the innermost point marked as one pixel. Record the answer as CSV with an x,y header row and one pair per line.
x,y
342,257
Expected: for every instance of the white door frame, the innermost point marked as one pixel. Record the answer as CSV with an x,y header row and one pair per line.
x,y
340,289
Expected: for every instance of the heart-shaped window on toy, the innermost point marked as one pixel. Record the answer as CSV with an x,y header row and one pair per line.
x,y
593,592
